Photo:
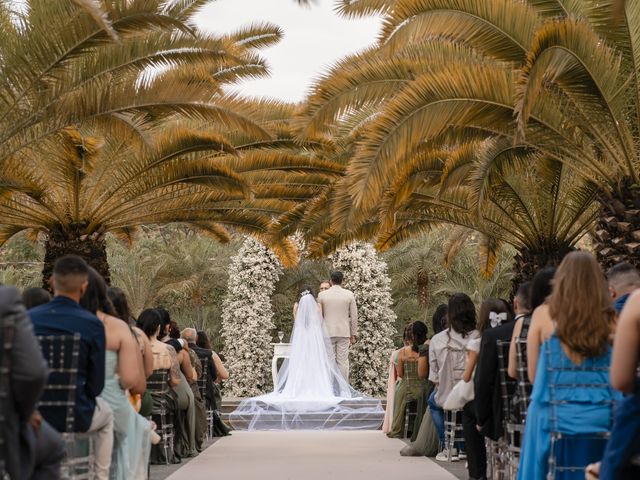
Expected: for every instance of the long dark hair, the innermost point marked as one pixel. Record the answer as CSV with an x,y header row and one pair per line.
x,y
461,313
419,332
149,321
541,286
492,305
306,289
120,304
439,319
95,298
32,297
202,340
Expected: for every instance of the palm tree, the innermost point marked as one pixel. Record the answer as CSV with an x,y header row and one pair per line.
x,y
452,71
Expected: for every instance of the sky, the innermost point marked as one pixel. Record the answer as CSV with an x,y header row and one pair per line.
x,y
314,38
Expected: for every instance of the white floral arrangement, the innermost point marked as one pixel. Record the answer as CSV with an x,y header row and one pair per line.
x,y
247,319
365,274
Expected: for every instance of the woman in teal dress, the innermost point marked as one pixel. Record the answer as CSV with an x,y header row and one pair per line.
x,y
132,432
571,388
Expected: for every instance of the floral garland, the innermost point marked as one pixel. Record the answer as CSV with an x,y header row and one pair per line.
x,y
366,276
247,319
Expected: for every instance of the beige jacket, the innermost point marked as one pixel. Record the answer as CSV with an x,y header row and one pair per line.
x,y
339,311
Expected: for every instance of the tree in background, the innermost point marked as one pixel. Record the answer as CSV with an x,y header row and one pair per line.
x,y
365,274
247,319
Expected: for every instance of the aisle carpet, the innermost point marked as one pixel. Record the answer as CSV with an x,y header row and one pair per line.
x,y
322,455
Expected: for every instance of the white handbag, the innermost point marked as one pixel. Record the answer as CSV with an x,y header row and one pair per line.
x,y
460,395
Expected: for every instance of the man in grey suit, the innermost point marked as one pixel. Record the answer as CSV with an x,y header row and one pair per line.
x,y
340,315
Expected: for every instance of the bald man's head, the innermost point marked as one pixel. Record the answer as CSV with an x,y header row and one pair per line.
x,y
189,334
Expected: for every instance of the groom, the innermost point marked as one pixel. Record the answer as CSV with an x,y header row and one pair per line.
x,y
341,320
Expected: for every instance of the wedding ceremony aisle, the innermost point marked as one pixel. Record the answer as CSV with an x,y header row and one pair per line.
x,y
309,455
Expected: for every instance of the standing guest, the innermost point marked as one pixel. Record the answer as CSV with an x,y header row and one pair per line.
x,y
325,285
164,358
392,379
624,443
205,355
580,316
64,316
200,425
488,397
121,305
623,280
412,370
185,443
439,319
33,297
203,342
32,449
340,315
447,355
124,371
166,324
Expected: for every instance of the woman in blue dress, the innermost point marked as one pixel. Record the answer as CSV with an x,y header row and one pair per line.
x,y
569,344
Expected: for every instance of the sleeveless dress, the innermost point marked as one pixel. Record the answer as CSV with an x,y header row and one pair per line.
x,y
411,387
132,432
583,409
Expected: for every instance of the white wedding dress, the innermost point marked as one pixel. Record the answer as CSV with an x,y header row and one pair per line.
x,y
311,393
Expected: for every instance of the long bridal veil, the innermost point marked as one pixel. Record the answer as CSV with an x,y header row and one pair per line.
x,y
311,393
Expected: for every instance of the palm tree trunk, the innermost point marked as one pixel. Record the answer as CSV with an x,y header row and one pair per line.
x,y
63,241
617,235
527,262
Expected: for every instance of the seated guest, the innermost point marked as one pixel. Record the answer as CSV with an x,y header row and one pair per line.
x,y
578,318
412,370
540,290
32,449
624,443
447,357
64,316
392,379
32,297
124,370
488,397
203,341
623,279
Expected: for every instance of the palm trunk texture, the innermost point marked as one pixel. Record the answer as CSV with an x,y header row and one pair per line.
x,y
64,241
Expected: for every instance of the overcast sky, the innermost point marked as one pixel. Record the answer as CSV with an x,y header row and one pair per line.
x,y
314,38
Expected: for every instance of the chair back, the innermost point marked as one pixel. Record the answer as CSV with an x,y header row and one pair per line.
x,y
202,379
524,385
507,384
158,386
62,353
7,332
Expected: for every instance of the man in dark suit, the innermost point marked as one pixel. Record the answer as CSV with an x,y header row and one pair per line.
x,y
64,316
32,448
488,398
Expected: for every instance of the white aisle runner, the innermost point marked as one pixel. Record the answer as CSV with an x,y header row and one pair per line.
x,y
309,455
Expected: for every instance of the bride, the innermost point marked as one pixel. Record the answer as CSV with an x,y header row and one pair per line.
x,y
311,393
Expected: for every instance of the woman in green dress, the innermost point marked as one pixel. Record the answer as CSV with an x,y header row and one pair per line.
x,y
412,369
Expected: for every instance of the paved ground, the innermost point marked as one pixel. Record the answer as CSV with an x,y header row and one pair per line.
x,y
324,455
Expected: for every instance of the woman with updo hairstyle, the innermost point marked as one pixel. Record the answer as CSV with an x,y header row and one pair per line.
x,y
393,379
412,369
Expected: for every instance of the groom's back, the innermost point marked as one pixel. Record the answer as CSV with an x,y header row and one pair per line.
x,y
339,311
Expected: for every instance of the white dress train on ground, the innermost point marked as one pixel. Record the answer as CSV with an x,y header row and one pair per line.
x,y
311,393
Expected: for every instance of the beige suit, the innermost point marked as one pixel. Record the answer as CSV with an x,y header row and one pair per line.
x,y
340,315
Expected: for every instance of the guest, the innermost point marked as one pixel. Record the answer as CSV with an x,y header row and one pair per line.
x,y
64,316
493,312
439,319
166,324
203,342
120,305
32,448
392,379
33,297
412,370
624,443
447,353
185,442
325,285
164,357
540,290
200,410
623,279
580,316
124,371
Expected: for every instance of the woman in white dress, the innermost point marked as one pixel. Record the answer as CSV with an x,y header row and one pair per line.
x,y
311,393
